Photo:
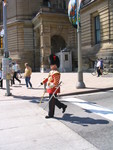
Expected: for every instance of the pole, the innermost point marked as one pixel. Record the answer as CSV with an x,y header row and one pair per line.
x,y
6,52
80,83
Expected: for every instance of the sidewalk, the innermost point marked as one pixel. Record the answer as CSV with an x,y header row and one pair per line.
x,y
23,125
69,80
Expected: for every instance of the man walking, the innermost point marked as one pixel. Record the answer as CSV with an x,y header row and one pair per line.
x,y
1,80
98,67
15,70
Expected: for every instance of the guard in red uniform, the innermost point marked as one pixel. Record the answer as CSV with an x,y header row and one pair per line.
x,y
52,83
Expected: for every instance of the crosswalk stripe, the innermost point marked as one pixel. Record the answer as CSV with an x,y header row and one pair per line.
x,y
94,108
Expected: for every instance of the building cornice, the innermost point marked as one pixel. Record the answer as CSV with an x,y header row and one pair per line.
x,y
83,4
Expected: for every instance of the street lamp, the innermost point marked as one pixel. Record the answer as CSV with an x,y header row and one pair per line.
x,y
74,17
80,83
5,59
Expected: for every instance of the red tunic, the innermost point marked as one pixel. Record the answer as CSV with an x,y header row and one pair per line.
x,y
52,82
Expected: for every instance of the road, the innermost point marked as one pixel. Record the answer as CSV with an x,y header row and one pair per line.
x,y
91,116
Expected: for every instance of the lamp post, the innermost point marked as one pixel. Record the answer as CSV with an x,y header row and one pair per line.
x,y
80,83
5,59
74,18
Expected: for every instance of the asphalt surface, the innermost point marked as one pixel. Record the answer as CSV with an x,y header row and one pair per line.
x,y
22,120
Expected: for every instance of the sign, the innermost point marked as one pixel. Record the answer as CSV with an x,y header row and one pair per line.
x,y
5,69
2,33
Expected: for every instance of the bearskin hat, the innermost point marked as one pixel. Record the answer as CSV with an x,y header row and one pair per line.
x,y
54,60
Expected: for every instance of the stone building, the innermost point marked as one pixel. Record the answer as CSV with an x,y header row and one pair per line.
x,y
97,31
37,28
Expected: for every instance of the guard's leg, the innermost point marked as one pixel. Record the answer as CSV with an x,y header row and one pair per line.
x,y
59,104
51,107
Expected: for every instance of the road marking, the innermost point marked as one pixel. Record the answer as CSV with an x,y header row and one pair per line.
x,y
92,107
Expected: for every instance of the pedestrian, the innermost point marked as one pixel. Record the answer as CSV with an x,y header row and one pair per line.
x,y
12,74
15,72
98,68
19,72
27,75
52,83
1,80
101,66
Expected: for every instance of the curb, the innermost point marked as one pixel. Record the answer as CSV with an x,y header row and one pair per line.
x,y
86,92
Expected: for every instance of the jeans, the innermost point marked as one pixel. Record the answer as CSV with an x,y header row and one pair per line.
x,y
27,80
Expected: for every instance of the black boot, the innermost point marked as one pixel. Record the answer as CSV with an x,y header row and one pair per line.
x,y
64,108
47,117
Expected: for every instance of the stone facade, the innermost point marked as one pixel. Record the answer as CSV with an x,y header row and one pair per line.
x,y
104,49
39,27
53,32
36,29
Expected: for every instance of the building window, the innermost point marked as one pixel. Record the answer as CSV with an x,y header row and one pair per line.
x,y
66,57
64,4
1,14
47,3
1,42
97,30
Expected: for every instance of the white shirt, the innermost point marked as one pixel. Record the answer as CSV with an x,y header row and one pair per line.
x,y
98,63
15,67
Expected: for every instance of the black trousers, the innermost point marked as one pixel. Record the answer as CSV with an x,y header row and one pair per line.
x,y
15,77
1,83
98,71
54,101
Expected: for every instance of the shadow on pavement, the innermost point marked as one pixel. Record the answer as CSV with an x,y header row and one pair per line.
x,y
2,88
17,86
84,121
32,98
37,88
